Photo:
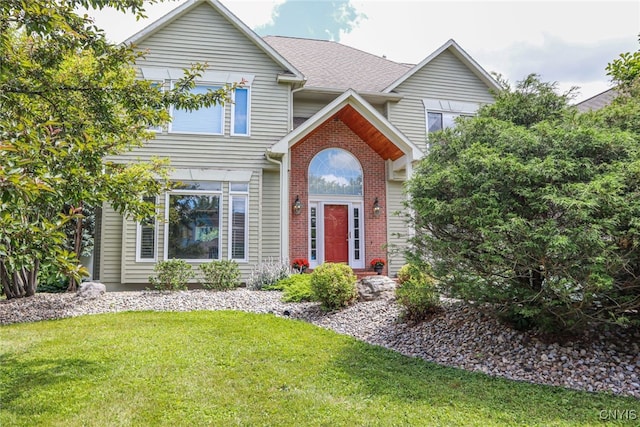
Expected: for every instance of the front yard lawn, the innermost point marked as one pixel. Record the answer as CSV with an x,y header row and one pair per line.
x,y
232,368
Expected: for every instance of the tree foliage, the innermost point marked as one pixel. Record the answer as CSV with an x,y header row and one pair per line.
x,y
536,209
69,104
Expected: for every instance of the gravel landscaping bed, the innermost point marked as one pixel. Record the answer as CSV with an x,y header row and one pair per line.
x,y
460,336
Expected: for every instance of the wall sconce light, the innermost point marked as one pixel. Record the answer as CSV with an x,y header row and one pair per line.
x,y
297,206
376,208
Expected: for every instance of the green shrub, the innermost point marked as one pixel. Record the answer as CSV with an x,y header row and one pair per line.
x,y
220,275
171,275
417,292
51,280
334,285
296,288
268,273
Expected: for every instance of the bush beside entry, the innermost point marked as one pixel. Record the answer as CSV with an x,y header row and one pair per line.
x,y
417,292
334,285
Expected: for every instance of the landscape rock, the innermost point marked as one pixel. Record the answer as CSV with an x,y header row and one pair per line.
x,y
91,290
372,288
460,335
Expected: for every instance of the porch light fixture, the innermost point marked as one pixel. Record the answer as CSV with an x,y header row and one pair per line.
x,y
376,208
297,206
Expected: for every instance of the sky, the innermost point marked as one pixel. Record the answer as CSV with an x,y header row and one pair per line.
x,y
569,42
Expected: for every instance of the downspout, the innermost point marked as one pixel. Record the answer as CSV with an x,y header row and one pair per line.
x,y
284,203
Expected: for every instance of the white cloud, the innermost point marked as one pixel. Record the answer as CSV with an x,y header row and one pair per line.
x,y
121,26
342,181
343,161
567,41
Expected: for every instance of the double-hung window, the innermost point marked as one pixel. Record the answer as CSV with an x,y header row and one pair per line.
x,y
147,237
238,220
205,120
441,113
193,217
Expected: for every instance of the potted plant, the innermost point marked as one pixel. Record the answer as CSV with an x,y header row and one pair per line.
x,y
378,264
300,264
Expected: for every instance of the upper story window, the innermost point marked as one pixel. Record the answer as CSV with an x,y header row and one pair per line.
x,y
159,85
210,120
207,120
335,171
441,113
240,111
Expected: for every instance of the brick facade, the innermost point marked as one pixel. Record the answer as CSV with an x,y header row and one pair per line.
x,y
335,134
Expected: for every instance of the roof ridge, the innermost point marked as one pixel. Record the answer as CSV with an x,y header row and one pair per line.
x,y
343,45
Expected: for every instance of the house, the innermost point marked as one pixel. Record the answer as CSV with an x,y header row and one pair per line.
x,y
309,161
598,101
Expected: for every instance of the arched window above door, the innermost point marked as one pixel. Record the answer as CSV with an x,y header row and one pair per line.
x,y
335,171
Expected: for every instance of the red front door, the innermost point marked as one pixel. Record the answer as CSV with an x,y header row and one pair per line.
x,y
336,233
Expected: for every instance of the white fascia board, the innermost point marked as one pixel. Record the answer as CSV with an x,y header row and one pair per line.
x,y
180,10
211,175
460,54
211,76
289,78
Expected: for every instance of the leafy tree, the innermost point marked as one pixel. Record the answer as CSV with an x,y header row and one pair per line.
x,y
69,104
625,72
535,209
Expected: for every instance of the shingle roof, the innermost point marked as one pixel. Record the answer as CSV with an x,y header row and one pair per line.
x,y
598,101
329,64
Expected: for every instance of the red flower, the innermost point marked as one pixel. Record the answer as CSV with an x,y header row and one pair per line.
x,y
300,262
378,262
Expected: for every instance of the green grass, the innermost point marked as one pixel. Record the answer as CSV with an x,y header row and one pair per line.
x,y
230,368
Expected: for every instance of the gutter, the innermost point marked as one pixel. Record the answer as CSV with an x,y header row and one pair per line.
x,y
284,202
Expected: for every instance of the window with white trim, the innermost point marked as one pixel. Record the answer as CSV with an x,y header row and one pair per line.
x,y
193,216
205,120
147,237
238,220
241,112
159,85
441,113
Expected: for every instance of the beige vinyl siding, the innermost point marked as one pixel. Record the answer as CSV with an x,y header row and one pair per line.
x,y
306,108
110,248
397,232
445,77
202,35
270,215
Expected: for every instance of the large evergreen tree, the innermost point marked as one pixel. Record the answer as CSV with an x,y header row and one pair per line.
x,y
535,208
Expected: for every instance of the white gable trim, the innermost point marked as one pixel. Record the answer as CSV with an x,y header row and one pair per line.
x,y
350,97
211,175
162,73
463,56
241,26
451,106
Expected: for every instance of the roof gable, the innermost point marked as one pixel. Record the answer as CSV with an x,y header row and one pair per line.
x,y
329,64
459,53
181,10
363,120
597,101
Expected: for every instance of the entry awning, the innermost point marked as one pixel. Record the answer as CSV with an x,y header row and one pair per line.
x,y
363,120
